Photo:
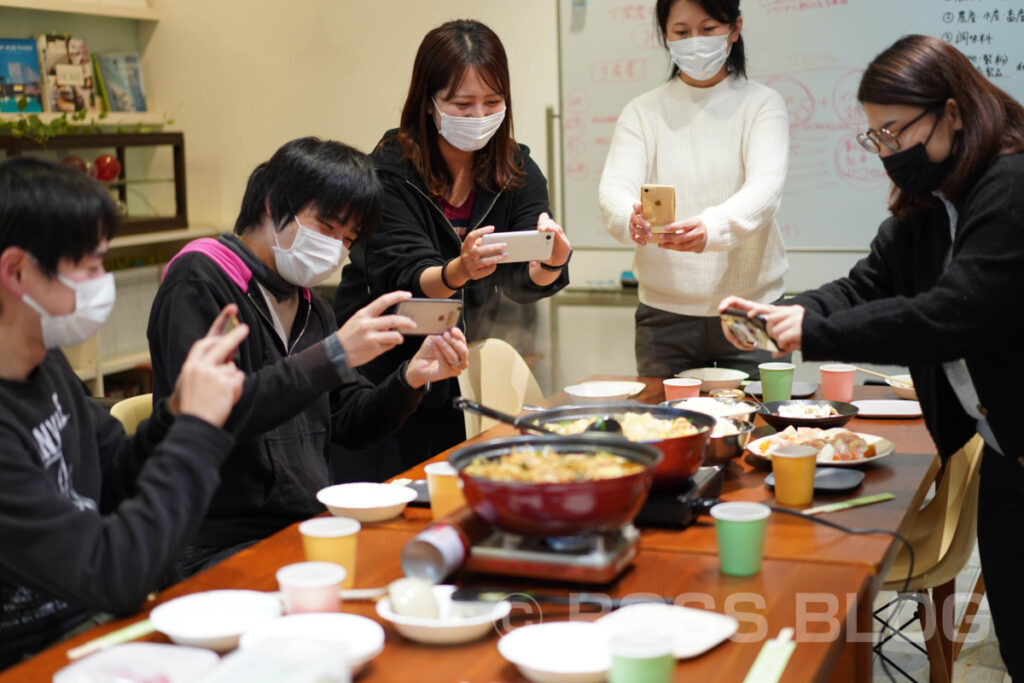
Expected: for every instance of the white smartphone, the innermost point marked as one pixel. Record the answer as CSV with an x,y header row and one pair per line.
x,y
527,245
432,316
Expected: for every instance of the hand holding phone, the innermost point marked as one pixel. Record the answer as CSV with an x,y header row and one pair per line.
x,y
751,331
432,316
524,245
658,203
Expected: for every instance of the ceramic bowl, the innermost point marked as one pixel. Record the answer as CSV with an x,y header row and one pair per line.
x,y
771,415
214,619
459,622
366,501
715,378
559,651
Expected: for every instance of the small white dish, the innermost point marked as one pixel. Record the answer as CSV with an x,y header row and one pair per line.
x,y
718,407
458,622
603,391
366,501
888,408
141,662
559,651
715,378
903,387
214,619
694,631
363,638
799,390
883,448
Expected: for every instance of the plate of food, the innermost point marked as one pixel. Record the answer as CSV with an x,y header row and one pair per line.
x,y
838,447
808,413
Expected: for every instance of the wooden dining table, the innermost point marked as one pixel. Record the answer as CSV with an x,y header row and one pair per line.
x,y
816,580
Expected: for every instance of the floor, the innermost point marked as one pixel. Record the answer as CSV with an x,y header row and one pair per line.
x,y
979,660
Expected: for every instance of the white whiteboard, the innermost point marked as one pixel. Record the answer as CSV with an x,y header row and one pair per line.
x,y
812,52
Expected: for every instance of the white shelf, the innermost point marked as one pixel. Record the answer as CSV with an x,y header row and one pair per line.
x,y
112,119
93,7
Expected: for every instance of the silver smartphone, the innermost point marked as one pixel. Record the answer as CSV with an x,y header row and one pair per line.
x,y
526,245
432,316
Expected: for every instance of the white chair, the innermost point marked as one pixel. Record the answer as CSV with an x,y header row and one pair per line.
x,y
131,411
497,377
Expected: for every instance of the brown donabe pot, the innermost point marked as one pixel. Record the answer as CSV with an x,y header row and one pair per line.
x,y
683,454
568,509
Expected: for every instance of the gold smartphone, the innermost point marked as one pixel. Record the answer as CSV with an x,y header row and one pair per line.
x,y
658,205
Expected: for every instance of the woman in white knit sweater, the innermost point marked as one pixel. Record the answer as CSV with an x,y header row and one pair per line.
x,y
722,141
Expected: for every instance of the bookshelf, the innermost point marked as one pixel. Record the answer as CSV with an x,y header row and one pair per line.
x,y
137,11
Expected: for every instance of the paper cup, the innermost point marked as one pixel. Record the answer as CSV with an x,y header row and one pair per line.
x,y
776,381
332,539
445,489
311,586
681,387
642,655
793,467
739,528
837,382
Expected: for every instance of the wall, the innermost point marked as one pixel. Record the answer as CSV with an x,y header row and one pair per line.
x,y
241,77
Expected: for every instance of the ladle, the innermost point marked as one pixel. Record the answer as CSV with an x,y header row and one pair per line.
x,y
606,424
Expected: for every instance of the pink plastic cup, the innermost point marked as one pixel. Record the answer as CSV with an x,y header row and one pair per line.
x,y
681,387
311,586
837,382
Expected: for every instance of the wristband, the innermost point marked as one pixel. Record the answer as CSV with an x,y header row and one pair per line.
x,y
444,280
544,265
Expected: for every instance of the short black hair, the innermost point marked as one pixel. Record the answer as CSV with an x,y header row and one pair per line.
x,y
336,180
722,11
53,211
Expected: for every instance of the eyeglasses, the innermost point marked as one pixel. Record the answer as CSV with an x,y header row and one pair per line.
x,y
873,140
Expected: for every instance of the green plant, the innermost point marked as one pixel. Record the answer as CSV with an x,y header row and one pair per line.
x,y
33,127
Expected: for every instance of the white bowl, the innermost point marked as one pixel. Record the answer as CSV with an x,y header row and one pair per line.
x,y
366,501
715,378
362,638
459,622
214,619
906,390
559,651
604,391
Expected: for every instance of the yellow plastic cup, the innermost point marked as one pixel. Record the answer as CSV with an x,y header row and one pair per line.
x,y
445,489
793,467
332,539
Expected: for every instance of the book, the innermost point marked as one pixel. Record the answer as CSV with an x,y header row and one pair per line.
x,y
120,76
67,72
20,86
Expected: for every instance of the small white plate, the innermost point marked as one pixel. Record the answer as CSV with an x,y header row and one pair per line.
x,y
883,448
694,631
366,501
214,619
888,408
363,638
141,662
559,651
459,622
604,391
799,390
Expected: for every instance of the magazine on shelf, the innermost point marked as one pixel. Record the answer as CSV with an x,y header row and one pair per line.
x,y
19,77
67,70
120,78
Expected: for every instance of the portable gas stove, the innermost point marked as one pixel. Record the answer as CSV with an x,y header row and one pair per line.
x,y
592,558
680,509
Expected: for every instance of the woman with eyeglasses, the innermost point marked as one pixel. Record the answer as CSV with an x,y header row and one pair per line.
x,y
722,142
939,288
452,173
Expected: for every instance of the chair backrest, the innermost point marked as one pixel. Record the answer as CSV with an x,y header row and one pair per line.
x,y
497,377
944,530
132,411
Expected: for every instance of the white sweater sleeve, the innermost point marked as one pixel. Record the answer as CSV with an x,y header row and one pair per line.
x,y
624,171
765,157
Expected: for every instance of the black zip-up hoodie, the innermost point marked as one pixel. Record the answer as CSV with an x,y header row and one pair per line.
x,y
415,235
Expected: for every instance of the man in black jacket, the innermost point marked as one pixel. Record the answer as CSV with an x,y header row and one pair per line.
x,y
301,211
90,519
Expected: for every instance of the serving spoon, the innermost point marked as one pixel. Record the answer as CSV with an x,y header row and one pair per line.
x,y
606,424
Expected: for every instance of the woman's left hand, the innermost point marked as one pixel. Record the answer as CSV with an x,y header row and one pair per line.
x,y
561,248
439,357
785,326
688,235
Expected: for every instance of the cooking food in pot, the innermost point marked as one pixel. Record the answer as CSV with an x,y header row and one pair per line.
x,y
635,426
547,466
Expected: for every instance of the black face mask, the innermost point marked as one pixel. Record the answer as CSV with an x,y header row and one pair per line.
x,y
914,172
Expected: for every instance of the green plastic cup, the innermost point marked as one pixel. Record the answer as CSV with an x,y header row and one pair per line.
x,y
776,381
739,528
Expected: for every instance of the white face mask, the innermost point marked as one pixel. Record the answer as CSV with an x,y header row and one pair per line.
x,y
94,299
311,259
700,58
469,133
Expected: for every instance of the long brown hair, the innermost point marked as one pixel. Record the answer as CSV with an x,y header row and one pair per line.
x,y
443,58
923,71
